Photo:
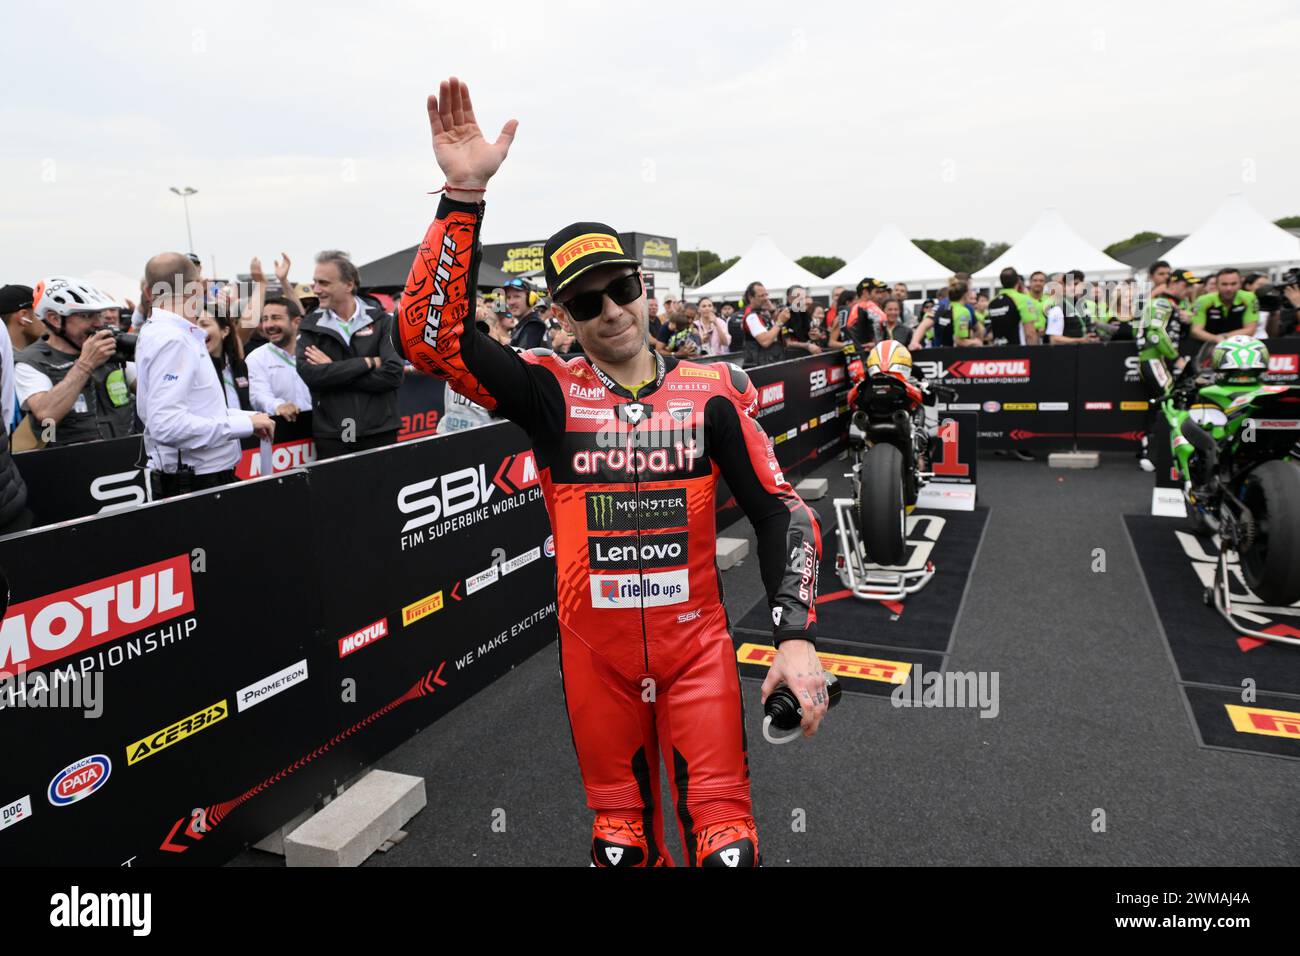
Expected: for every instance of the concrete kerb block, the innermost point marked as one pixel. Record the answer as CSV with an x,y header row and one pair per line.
x,y
810,489
731,551
356,824
1073,459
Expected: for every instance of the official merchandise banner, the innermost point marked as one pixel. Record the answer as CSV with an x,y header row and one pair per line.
x,y
1024,396
438,573
160,702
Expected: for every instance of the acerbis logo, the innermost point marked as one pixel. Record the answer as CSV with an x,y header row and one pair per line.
x,y
363,637
593,393
79,780
175,733
464,489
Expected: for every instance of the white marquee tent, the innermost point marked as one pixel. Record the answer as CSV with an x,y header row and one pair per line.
x,y
1235,235
891,257
1051,246
764,263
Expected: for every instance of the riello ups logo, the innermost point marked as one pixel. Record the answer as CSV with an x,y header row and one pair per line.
x,y
75,620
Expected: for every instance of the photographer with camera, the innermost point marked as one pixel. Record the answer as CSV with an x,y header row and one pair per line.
x,y
75,382
1282,303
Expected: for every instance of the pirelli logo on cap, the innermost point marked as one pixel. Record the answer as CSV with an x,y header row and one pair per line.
x,y
841,665
1270,723
583,245
685,371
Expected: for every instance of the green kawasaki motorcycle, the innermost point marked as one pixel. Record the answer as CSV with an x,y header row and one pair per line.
x,y
1236,443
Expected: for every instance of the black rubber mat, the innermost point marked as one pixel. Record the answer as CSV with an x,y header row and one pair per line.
x,y
1270,724
874,672
922,622
1216,663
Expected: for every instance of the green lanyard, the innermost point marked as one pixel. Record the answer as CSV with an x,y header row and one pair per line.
x,y
284,356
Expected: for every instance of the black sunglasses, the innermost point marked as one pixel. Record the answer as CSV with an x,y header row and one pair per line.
x,y
587,305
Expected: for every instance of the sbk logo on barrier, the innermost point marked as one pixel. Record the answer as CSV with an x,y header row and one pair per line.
x,y
464,489
122,489
50,628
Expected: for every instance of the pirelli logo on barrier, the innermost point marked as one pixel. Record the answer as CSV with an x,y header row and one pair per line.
x,y
421,608
1133,406
583,245
1269,723
175,733
841,665
686,371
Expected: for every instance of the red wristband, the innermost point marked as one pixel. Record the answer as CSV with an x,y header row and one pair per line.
x,y
464,189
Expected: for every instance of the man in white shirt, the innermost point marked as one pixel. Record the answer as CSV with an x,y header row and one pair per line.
x,y
190,436
274,385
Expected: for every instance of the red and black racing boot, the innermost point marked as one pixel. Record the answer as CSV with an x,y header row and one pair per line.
x,y
733,844
619,841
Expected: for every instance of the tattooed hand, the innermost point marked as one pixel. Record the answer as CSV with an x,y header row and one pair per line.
x,y
796,665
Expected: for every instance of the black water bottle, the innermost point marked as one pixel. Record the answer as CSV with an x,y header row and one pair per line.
x,y
784,709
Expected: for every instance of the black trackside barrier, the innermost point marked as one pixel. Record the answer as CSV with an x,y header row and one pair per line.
x,y
258,644
1025,396
802,405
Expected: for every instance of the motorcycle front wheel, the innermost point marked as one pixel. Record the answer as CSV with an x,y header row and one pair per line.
x,y
881,512
1271,565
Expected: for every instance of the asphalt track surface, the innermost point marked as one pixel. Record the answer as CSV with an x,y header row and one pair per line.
x,y
1091,719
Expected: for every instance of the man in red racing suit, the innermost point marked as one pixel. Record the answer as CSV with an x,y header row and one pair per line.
x,y
630,445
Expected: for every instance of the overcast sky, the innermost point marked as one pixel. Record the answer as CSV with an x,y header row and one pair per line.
x,y
303,125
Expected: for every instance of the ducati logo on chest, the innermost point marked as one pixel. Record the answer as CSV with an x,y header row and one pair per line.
x,y
633,413
681,409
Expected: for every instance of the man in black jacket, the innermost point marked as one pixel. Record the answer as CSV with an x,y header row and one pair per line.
x,y
346,356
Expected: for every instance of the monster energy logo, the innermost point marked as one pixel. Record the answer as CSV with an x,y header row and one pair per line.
x,y
622,510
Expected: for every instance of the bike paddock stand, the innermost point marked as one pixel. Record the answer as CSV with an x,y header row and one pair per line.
x,y
1219,596
867,581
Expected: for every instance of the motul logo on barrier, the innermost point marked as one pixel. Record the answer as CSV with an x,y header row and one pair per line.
x,y
50,628
359,639
991,368
771,394
1283,364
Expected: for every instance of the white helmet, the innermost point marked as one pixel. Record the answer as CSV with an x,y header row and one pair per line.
x,y
65,296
